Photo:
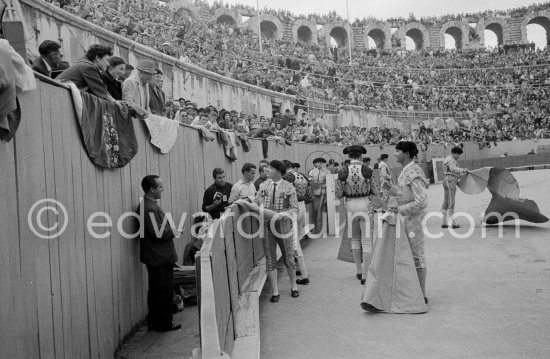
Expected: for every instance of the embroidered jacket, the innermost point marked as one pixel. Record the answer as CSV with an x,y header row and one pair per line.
x,y
356,179
285,199
412,190
450,167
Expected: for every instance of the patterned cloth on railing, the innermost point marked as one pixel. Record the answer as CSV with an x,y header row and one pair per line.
x,y
108,132
163,131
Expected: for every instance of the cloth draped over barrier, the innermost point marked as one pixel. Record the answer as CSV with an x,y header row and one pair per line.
x,y
163,131
107,129
506,203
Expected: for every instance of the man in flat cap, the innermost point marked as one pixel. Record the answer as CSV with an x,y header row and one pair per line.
x,y
356,181
318,180
135,89
279,195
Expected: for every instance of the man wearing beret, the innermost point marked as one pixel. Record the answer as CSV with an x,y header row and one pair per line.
x,y
317,179
279,196
356,181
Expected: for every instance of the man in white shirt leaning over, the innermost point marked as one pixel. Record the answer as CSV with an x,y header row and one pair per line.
x,y
244,188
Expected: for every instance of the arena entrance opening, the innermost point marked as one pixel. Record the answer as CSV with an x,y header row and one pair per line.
x,y
226,20
494,35
339,36
453,38
414,39
376,38
269,29
538,31
304,34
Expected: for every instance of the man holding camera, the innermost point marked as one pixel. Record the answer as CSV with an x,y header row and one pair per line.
x,y
216,197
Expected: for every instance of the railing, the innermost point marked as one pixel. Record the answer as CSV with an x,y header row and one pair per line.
x,y
229,300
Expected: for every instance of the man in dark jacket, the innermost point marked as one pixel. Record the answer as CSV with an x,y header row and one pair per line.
x,y
157,98
50,61
86,72
216,197
111,77
158,253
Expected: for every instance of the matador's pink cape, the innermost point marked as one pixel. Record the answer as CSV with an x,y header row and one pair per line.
x,y
506,204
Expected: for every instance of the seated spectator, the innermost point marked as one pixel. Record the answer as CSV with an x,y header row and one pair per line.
x,y
50,61
86,72
111,77
157,97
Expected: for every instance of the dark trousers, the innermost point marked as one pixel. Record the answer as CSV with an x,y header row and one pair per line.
x,y
160,296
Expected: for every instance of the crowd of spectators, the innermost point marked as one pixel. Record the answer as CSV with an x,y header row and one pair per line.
x,y
508,85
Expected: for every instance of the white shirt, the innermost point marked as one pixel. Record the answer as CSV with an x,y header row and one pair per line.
x,y
241,190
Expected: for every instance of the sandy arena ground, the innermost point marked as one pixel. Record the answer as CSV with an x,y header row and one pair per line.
x,y
489,297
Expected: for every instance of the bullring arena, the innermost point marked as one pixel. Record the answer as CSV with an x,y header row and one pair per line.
x,y
109,109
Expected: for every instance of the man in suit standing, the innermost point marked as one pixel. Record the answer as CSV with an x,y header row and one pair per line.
x,y
157,97
50,62
158,253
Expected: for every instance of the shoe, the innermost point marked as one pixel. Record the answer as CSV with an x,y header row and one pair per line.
x,y
456,226
303,281
168,329
369,308
294,293
275,298
444,226
426,300
359,276
363,281
298,273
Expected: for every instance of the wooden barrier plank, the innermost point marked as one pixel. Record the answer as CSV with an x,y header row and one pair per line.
x,y
63,245
30,188
221,286
80,323
9,253
126,278
231,264
89,199
47,308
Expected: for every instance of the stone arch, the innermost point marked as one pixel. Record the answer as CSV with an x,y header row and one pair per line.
x,y
381,34
417,32
496,24
224,15
270,26
541,18
190,8
338,30
458,30
302,29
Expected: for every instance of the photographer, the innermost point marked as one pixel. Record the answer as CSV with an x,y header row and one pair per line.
x,y
216,197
